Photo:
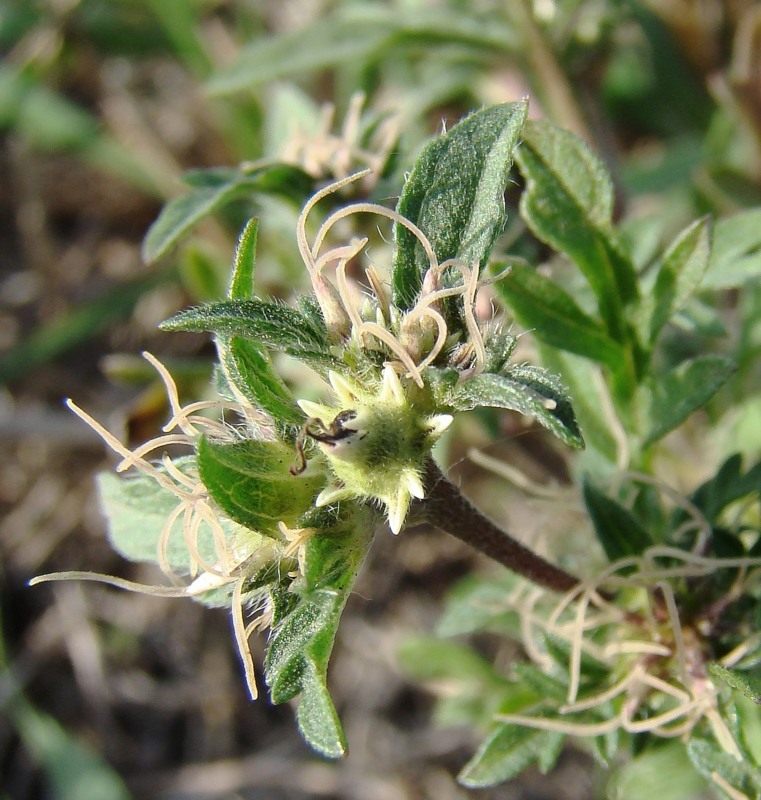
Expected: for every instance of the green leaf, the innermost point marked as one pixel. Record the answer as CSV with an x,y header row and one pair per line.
x,y
182,213
477,604
727,485
358,34
325,43
72,769
748,683
251,481
618,530
686,388
553,316
137,509
214,191
550,753
455,195
270,324
736,256
663,771
584,384
249,370
499,346
505,754
528,390
709,760
544,685
242,280
680,274
302,639
246,364
426,658
568,203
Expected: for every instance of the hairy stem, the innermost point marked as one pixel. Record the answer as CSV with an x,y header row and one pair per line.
x,y
447,508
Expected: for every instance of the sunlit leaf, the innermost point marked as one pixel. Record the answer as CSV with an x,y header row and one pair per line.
x,y
305,627
137,509
527,390
455,195
273,325
252,482
680,274
568,204
544,308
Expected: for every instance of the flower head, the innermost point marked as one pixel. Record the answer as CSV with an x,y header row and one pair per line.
x,y
375,442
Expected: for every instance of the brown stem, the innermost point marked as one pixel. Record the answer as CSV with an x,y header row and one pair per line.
x,y
544,72
447,508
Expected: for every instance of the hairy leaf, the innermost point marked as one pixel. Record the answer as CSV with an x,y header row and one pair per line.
x,y
568,204
710,759
686,388
586,387
736,256
242,280
544,308
619,532
729,483
748,683
249,370
506,753
270,324
250,480
137,509
679,275
528,390
302,639
455,195
246,364
182,213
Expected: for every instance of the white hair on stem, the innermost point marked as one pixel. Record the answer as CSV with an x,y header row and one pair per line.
x,y
175,472
727,788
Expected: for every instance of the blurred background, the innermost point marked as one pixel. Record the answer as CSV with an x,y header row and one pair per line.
x,y
104,105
